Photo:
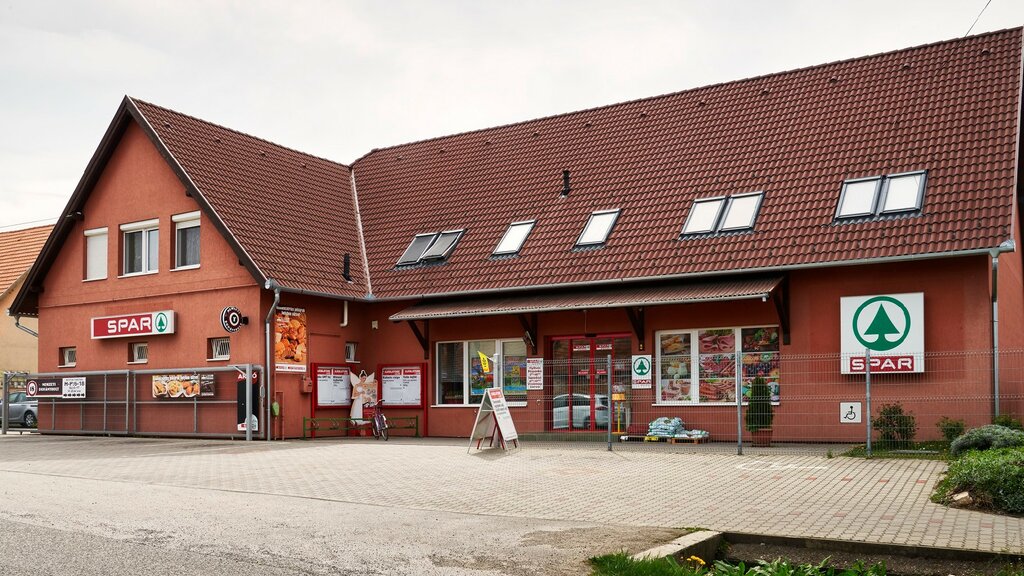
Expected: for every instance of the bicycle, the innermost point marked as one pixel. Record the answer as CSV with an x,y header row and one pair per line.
x,y
378,422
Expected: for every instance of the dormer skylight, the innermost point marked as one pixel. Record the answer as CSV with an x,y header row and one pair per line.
x,y
891,194
723,213
598,227
515,236
430,247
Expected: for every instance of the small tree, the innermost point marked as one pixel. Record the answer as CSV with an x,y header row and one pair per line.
x,y
759,410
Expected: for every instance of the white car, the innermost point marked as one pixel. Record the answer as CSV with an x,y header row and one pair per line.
x,y
580,411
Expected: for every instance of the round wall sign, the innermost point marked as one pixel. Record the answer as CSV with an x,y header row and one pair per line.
x,y
231,319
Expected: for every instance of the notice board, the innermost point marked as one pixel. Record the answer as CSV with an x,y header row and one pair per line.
x,y
332,386
402,384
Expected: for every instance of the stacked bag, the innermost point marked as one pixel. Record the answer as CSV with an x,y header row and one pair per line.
x,y
666,427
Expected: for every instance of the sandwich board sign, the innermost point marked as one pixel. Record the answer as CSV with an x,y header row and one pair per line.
x,y
493,418
891,326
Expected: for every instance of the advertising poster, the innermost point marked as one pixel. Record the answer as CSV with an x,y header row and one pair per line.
x,y
401,385
73,388
534,373
333,386
182,385
291,346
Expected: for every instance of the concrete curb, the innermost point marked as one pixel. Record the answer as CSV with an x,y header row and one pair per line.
x,y
703,544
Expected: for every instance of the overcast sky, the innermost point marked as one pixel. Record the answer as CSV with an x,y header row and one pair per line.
x,y
338,78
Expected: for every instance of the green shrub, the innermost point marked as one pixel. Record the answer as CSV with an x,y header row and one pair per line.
x,y
759,409
995,479
985,438
896,427
951,429
1008,421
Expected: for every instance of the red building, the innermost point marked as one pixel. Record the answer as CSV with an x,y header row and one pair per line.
x,y
717,229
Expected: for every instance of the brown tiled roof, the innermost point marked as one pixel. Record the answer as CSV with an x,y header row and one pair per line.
x,y
950,108
18,250
291,213
748,288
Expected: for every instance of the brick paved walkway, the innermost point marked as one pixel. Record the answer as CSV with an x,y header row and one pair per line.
x,y
851,499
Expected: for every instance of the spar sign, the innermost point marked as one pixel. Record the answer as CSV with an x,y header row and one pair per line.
x,y
142,324
891,326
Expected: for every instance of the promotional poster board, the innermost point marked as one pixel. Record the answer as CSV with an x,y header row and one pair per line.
x,y
183,385
402,385
291,341
333,385
493,418
891,326
534,373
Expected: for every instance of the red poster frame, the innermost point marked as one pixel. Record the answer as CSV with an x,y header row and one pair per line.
x,y
316,397
423,384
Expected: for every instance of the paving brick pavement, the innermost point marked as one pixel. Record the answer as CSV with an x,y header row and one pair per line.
x,y
885,501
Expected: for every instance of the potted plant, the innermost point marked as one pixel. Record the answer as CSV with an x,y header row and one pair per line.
x,y
759,412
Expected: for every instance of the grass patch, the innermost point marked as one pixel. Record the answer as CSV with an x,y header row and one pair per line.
x,y
931,450
621,564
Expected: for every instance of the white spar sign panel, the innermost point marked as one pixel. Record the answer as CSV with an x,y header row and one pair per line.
x,y
141,324
891,326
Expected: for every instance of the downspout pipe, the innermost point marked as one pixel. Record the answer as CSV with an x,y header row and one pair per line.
x,y
17,324
270,285
1006,246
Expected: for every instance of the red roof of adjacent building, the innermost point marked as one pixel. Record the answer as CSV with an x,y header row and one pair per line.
x,y
18,250
950,108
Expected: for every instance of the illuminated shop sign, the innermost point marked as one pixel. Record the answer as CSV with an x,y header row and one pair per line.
x,y
144,324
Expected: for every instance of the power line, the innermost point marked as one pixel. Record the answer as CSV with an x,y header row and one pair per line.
x,y
978,18
29,223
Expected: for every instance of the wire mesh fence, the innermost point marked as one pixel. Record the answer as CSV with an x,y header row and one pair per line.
x,y
764,400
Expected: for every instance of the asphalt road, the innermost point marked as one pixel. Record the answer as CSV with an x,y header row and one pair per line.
x,y
60,525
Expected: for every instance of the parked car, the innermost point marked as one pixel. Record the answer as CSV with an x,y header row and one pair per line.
x,y
23,410
580,411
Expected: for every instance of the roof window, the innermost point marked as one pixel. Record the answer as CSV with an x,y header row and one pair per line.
x,y
431,246
877,195
598,227
723,214
515,236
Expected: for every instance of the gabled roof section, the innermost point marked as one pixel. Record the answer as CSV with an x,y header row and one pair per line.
x,y
18,250
288,216
950,108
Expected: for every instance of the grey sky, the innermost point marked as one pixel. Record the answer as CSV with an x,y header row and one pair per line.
x,y
337,79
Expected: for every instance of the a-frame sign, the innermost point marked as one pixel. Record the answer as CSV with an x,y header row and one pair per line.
x,y
493,420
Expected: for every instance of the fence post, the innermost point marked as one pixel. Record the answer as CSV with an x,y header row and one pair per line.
x,y
248,403
610,403
739,405
6,409
867,385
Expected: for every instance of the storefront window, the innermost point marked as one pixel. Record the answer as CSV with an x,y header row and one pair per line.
x,y
480,379
699,366
513,370
462,379
450,373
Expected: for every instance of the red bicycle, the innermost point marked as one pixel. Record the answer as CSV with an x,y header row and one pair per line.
x,y
378,422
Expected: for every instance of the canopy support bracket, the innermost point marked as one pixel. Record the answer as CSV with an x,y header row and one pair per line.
x,y
637,316
529,331
423,336
780,297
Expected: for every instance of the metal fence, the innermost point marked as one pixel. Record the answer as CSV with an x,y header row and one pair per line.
x,y
183,402
814,406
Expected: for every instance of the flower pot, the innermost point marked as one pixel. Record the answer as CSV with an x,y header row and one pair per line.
x,y
762,438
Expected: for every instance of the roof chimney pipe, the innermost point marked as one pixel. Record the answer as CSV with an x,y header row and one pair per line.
x,y
346,268
565,183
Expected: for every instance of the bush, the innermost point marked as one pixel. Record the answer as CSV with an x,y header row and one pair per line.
x,y
951,429
896,427
1008,421
759,409
995,479
986,437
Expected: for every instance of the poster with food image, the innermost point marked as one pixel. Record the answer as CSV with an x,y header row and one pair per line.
x,y
763,339
676,390
722,340
773,390
291,347
182,385
718,390
675,344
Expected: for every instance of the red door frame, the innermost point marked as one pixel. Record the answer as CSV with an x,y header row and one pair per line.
x,y
592,374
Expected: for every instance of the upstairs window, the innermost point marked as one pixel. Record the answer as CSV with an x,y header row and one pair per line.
x,y
515,236
68,357
723,213
891,194
96,254
431,246
218,349
186,240
138,353
598,227
141,247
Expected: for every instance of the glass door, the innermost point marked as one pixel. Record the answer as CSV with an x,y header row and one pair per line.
x,y
579,381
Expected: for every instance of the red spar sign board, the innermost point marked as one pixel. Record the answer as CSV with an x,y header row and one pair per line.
x,y
142,324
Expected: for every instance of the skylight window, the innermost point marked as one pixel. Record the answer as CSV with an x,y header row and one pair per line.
x,y
889,194
416,248
515,236
723,214
443,246
598,227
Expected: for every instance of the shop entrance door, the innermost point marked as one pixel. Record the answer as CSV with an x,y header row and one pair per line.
x,y
579,380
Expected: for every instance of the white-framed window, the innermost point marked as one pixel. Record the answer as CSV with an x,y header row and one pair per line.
x,y
350,351
141,247
96,254
723,213
599,227
889,194
699,366
138,353
512,241
186,240
219,349
68,357
461,378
